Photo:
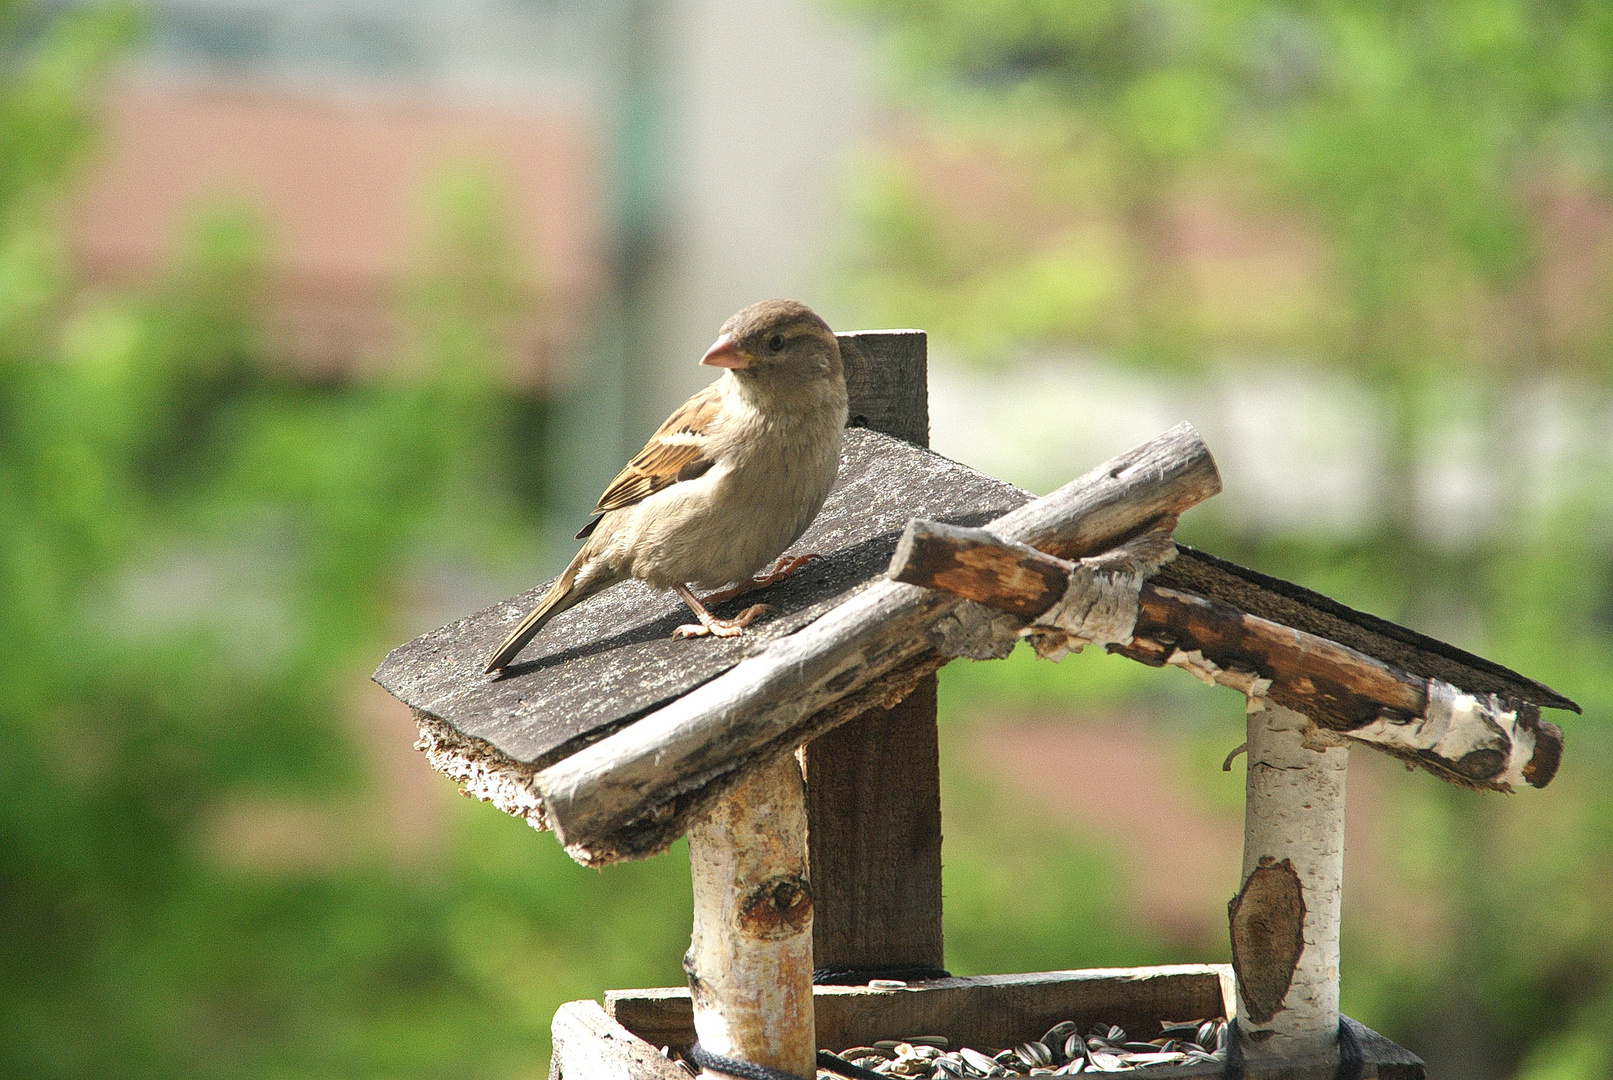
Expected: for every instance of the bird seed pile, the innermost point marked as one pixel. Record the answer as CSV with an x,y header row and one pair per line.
x,y
1061,1051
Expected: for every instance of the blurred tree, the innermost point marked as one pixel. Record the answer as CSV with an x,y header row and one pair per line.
x,y
1415,193
200,558
1418,141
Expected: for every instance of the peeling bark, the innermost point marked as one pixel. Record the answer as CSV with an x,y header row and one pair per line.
x,y
750,957
1482,741
1285,920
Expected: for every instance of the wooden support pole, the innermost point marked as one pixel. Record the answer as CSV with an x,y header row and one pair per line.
x,y
874,782
750,957
1285,918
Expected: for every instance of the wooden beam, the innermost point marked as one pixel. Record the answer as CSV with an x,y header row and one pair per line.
x,y
1472,740
984,1011
874,782
645,780
887,382
874,802
591,1045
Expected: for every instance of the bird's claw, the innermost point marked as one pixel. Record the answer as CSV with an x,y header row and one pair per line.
x,y
722,627
781,570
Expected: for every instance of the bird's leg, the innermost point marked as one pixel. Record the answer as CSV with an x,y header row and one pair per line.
x,y
709,623
781,570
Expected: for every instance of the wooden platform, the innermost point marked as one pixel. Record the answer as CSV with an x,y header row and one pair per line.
x,y
986,1012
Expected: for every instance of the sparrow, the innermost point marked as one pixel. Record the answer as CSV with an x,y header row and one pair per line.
x,y
732,478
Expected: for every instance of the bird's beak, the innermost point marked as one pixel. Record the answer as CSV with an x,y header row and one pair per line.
x,y
725,354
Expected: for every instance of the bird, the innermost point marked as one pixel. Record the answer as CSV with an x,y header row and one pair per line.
x,y
725,485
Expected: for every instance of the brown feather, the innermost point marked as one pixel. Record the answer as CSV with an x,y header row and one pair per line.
x,y
672,454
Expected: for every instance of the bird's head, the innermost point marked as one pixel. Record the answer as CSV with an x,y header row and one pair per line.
x,y
779,342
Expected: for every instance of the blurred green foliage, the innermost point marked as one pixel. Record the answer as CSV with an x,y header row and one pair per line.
x,y
1417,143
202,555
1391,189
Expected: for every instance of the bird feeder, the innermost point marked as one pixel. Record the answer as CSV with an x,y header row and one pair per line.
x,y
801,758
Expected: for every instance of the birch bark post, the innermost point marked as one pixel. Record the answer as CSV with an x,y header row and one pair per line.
x,y
750,956
1285,919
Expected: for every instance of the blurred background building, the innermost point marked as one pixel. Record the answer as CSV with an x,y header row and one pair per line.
x,y
647,199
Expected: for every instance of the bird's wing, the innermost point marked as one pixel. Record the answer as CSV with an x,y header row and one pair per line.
x,y
673,453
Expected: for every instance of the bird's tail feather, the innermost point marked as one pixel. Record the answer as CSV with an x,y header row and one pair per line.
x,y
563,594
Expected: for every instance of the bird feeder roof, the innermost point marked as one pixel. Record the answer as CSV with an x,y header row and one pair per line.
x,y
608,663
605,663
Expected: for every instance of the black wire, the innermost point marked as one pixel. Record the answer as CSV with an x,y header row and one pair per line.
x,y
750,1071
1352,1059
1233,1070
836,1064
861,975
734,1067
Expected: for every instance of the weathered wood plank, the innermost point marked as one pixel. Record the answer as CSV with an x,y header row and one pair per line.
x,y
630,794
590,1045
1296,606
874,800
984,1011
995,1011
874,782
888,383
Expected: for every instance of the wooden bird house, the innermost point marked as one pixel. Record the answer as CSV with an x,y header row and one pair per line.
x,y
801,761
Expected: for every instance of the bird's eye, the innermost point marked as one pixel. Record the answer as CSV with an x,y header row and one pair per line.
x,y
776,342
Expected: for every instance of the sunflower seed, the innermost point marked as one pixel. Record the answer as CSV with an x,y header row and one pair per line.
x,y
937,1041
887,984
977,1061
1035,1055
1154,1059
1058,1033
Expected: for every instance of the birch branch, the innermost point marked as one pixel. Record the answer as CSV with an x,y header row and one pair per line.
x,y
1479,741
750,957
1285,918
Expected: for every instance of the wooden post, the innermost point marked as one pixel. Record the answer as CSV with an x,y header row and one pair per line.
x,y
874,783
1285,918
750,957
